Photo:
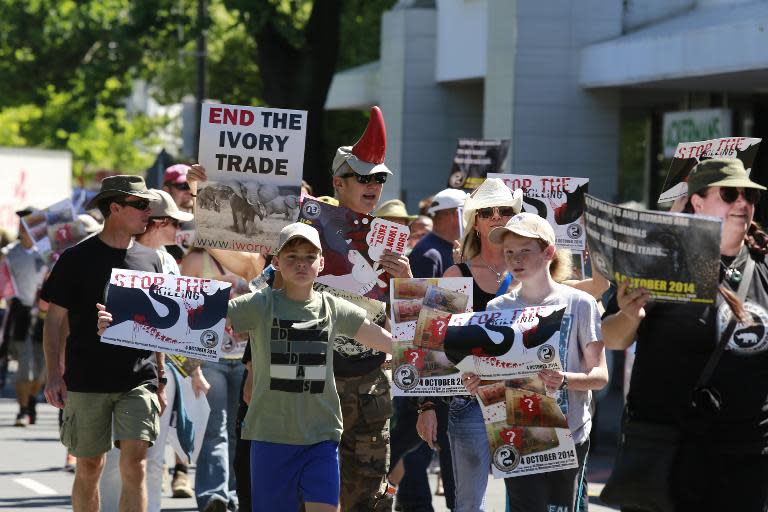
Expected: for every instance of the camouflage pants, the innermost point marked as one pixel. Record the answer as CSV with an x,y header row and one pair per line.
x,y
364,449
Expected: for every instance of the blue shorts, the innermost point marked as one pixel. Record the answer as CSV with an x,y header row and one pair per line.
x,y
285,475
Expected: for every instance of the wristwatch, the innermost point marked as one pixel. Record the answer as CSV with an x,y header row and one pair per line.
x,y
162,381
564,384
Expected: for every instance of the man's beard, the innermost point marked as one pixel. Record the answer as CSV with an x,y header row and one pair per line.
x,y
187,206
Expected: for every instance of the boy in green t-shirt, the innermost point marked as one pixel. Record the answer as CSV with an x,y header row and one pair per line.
x,y
294,418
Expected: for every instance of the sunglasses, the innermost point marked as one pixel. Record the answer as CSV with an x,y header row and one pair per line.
x,y
141,204
180,186
504,211
731,194
380,177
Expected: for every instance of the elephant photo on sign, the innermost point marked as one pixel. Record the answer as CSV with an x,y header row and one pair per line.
x,y
242,210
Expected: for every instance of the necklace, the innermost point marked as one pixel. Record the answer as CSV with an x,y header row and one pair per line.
x,y
731,272
492,269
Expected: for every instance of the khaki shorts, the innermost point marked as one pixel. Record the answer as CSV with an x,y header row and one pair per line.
x,y
88,420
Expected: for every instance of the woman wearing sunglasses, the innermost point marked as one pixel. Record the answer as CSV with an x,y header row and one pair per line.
x,y
674,342
490,206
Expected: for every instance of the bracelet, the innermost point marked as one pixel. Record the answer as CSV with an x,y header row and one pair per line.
x,y
564,384
426,406
162,381
193,195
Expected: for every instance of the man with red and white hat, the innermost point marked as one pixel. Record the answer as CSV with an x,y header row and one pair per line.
x,y
359,174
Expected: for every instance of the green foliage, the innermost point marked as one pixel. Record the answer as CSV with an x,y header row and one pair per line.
x,y
68,65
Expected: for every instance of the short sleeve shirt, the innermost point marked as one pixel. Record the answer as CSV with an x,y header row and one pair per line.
x,y
582,319
77,282
294,398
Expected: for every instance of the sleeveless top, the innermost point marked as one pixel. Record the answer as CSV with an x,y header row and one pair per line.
x,y
480,298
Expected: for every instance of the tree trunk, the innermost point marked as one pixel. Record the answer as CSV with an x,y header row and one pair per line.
x,y
300,78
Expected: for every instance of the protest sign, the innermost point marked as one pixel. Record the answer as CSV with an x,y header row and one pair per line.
x,y
197,410
526,428
54,229
688,154
675,256
352,245
189,320
509,343
254,158
419,371
474,159
559,200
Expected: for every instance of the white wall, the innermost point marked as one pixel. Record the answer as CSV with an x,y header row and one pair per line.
x,y
462,33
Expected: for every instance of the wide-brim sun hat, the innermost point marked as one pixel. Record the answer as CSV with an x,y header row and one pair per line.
x,y
720,172
491,193
121,185
394,208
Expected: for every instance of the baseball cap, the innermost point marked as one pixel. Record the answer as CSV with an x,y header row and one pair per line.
x,y
295,230
166,207
524,224
720,172
446,199
121,185
176,174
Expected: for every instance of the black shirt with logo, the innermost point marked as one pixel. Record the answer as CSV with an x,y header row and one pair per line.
x,y
674,343
77,282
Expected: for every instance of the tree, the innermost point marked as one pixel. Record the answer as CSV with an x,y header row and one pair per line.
x,y
298,50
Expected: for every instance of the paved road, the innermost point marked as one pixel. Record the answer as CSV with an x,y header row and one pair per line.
x,y
32,459
32,479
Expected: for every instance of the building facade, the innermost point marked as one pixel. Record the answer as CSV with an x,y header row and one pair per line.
x,y
581,87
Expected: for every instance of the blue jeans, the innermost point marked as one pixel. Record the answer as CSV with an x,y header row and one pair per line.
x,y
470,453
215,475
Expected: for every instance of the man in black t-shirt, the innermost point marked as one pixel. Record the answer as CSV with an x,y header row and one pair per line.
x,y
98,383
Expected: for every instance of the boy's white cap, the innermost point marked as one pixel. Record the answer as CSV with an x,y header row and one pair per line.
x,y
524,224
166,207
298,229
446,199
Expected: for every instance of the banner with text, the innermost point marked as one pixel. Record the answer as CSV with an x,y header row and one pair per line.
x,y
474,159
254,158
688,154
527,430
353,244
675,256
499,344
420,371
559,199
189,321
54,229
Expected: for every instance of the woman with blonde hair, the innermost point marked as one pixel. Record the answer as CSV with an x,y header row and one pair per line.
x,y
490,206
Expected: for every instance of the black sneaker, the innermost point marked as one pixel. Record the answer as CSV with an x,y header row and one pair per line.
x,y
32,410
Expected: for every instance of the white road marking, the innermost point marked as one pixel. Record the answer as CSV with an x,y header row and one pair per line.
x,y
35,486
